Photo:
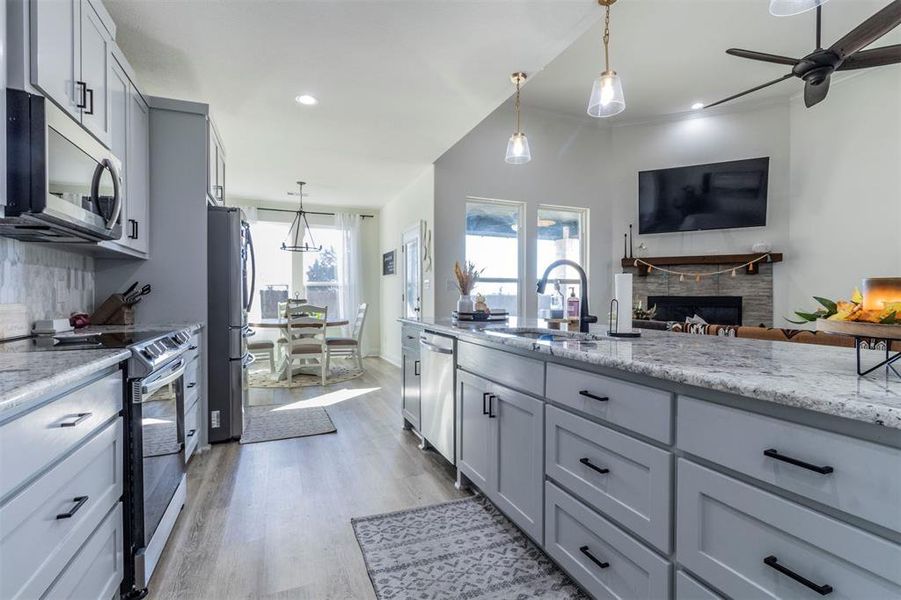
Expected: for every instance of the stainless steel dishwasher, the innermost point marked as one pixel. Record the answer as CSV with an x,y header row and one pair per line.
x,y
437,395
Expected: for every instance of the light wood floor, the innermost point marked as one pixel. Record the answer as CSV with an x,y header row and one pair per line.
x,y
272,520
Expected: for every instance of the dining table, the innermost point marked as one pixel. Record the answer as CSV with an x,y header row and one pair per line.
x,y
281,324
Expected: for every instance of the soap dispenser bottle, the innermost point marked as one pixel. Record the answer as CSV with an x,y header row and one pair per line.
x,y
557,302
572,305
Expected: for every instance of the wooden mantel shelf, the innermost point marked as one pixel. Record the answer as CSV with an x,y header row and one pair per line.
x,y
707,259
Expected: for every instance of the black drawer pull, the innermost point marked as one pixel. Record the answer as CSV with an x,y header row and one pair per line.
x,y
484,405
83,103
592,558
78,419
773,453
192,432
79,502
192,384
588,394
416,368
90,109
588,464
491,414
192,347
772,561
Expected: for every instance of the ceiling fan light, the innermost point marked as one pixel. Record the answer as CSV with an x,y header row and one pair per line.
x,y
787,8
518,152
606,96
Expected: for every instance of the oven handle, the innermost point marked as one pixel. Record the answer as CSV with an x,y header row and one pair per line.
x,y
159,381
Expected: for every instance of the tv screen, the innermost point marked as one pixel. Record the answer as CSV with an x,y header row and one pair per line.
x,y
722,195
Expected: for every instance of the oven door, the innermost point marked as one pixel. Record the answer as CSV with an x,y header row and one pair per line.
x,y
162,442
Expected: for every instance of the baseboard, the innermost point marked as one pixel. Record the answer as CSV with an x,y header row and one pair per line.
x,y
394,360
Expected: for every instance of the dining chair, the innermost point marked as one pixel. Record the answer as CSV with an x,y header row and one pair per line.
x,y
306,325
263,349
350,346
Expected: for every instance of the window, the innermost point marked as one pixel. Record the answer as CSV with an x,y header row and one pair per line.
x,y
273,276
561,234
320,269
493,243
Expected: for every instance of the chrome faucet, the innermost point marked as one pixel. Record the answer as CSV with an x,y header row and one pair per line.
x,y
584,317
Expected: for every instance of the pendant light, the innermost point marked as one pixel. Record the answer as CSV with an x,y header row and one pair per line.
x,y
300,228
607,92
518,152
787,8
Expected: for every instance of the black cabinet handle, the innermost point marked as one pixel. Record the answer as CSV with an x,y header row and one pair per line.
x,y
588,464
773,453
192,347
588,394
484,399
78,419
79,502
491,414
772,561
192,432
134,229
84,94
584,550
137,230
192,384
90,93
416,368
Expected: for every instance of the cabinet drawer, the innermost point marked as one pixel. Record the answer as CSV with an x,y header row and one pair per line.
x,y
409,339
51,431
859,483
573,532
726,529
640,408
517,372
689,589
37,540
635,490
97,569
192,429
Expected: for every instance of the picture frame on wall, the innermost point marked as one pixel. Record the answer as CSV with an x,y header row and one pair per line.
x,y
388,263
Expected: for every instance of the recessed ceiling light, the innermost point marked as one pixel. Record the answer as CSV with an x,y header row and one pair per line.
x,y
697,106
306,100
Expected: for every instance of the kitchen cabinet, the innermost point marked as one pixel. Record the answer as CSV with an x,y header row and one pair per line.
x,y
411,377
96,67
137,224
474,455
215,166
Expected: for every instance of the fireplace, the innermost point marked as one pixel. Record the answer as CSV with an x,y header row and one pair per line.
x,y
719,310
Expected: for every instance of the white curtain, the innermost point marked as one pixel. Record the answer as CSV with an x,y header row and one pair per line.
x,y
350,264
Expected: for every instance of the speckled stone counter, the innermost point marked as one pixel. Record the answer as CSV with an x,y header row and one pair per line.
x,y
27,378
806,376
140,328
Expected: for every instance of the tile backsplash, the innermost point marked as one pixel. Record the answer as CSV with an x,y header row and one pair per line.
x,y
51,282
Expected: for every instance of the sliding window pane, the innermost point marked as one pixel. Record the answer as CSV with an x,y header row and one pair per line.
x,y
492,238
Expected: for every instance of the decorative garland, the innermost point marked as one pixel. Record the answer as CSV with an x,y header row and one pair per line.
x,y
698,276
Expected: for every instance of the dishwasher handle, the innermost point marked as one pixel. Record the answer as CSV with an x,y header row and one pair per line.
x,y
433,348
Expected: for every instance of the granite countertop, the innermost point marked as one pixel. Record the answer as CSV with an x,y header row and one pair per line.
x,y
29,377
807,376
139,327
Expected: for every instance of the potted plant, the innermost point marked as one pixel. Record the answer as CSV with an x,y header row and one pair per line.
x,y
466,277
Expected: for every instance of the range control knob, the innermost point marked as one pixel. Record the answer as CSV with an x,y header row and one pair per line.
x,y
147,353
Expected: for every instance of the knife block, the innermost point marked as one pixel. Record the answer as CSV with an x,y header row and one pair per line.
x,y
114,311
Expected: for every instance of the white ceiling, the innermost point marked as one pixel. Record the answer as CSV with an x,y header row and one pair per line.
x,y
671,54
398,81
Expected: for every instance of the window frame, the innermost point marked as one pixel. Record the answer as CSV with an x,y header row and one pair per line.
x,y
521,237
583,238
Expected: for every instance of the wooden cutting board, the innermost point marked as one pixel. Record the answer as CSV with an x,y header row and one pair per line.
x,y
13,321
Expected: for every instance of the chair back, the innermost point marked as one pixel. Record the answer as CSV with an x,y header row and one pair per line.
x,y
357,331
306,325
290,302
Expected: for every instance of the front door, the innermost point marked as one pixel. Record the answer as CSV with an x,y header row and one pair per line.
x,y
412,263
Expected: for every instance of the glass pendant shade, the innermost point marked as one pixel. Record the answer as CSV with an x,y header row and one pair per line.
x,y
607,96
518,152
787,8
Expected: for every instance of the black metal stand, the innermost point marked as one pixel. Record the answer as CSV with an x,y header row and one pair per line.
x,y
889,361
614,304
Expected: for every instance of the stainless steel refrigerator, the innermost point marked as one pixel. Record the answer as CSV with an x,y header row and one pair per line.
x,y
231,274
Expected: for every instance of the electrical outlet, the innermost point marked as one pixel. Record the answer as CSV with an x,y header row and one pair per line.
x,y
426,284
214,419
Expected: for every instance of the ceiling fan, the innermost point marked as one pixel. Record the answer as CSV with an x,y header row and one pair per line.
x,y
846,54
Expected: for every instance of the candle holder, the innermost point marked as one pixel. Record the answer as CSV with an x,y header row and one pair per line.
x,y
613,331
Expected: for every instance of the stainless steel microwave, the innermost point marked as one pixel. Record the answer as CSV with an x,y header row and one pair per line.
x,y
62,184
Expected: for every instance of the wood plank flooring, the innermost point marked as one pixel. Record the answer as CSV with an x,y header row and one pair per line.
x,y
272,520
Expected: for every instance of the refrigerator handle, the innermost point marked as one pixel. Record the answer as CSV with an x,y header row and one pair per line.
x,y
253,271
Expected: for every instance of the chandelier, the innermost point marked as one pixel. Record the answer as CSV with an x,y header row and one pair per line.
x,y
300,228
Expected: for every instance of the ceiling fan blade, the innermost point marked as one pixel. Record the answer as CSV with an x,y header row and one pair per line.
x,y
770,58
877,57
815,93
869,31
754,89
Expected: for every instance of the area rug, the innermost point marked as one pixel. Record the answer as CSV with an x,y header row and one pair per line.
x,y
267,423
460,549
303,377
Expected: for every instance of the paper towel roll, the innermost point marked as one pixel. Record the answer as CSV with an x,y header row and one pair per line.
x,y
622,291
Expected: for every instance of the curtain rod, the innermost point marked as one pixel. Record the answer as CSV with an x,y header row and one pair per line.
x,y
309,212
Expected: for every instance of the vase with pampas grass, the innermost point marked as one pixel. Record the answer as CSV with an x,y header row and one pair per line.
x,y
466,277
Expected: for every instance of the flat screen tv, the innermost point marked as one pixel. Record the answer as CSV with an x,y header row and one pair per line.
x,y
722,195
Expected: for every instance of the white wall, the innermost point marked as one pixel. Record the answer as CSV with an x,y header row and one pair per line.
x,y
845,221
416,203
567,168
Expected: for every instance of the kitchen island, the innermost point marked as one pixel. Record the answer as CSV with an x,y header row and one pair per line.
x,y
675,465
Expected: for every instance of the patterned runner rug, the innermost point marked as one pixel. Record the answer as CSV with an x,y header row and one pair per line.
x,y
267,423
461,549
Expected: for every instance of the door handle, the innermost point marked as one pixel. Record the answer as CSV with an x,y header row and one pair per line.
x,y
191,385
602,564
79,502
588,463
773,562
134,229
89,92
491,398
773,453
588,394
84,94
484,405
192,432
416,368
78,419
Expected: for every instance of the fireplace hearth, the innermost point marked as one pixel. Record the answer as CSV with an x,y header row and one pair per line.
x,y
721,310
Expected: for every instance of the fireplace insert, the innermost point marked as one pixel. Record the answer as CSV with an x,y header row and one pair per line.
x,y
719,310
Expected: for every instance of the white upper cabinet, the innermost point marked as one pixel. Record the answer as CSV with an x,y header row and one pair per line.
x,y
137,169
216,166
96,59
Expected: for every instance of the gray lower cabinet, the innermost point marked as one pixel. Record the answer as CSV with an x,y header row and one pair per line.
x,y
688,588
753,544
411,389
474,452
600,556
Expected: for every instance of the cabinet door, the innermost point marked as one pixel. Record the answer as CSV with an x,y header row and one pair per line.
x,y
96,55
475,422
118,139
220,173
138,173
56,53
411,390
212,162
519,458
